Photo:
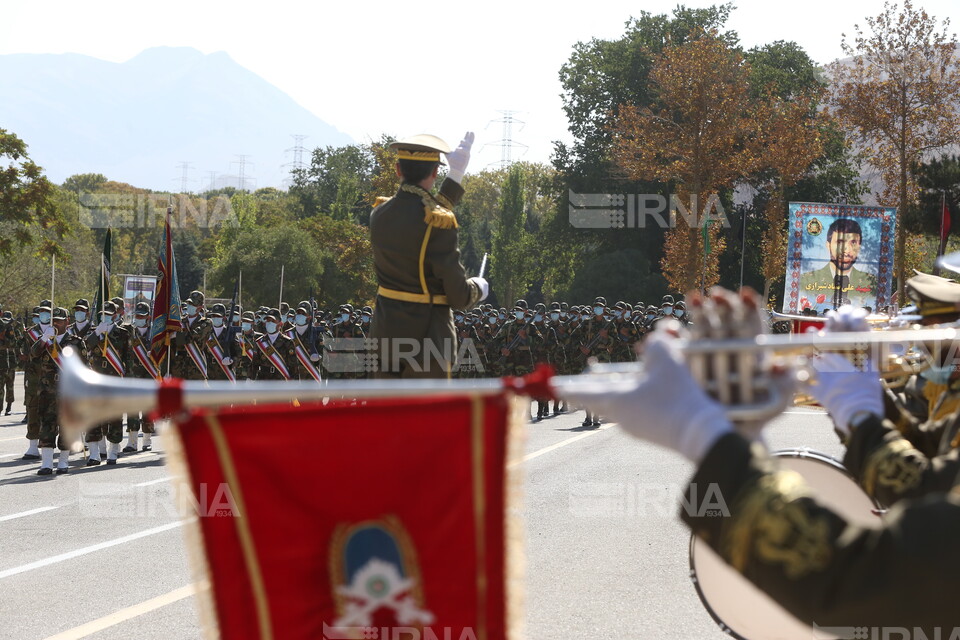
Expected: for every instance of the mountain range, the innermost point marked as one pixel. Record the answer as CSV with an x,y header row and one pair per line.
x,y
140,120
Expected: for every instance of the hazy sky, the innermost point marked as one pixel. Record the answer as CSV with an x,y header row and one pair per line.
x,y
400,68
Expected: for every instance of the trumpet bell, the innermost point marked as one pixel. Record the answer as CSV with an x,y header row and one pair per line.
x,y
86,397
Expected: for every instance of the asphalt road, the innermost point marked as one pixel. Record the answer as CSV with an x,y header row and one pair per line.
x,y
99,553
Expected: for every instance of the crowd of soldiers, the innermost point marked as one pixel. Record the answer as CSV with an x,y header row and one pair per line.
x,y
285,343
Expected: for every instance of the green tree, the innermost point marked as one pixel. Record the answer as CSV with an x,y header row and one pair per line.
x,y
510,260
27,202
85,182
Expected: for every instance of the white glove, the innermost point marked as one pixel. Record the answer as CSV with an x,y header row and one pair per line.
x,y
484,286
47,335
847,318
845,391
228,361
315,357
103,327
459,158
665,406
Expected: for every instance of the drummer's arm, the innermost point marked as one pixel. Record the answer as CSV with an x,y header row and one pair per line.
x,y
891,469
807,558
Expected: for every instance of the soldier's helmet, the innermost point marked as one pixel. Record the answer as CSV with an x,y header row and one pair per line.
x,y
600,300
680,305
555,306
59,313
117,301
109,307
522,304
7,315
652,309
142,309
368,310
305,308
47,304
196,297
346,307
248,316
667,299
79,304
36,311
273,313
218,310
284,308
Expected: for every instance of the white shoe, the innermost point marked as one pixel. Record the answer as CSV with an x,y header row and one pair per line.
x,y
63,461
146,442
113,449
95,449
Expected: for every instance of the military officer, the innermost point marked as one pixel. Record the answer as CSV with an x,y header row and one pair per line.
x,y
514,343
81,326
10,349
308,342
189,345
416,257
142,365
40,320
108,352
248,348
274,358
596,340
221,348
46,353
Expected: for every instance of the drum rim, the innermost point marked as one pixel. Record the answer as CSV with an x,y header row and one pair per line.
x,y
790,452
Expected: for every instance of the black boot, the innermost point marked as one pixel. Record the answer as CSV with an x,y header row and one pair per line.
x,y
9,408
588,421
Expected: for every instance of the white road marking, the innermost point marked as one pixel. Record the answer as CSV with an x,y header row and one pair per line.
x,y
10,455
85,550
23,514
123,615
150,482
13,438
562,443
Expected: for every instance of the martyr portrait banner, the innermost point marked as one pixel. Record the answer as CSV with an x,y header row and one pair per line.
x,y
838,254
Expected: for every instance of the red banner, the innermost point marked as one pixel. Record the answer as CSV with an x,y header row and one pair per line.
x,y
393,518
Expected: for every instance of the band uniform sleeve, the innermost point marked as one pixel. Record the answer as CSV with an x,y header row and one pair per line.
x,y
891,469
811,561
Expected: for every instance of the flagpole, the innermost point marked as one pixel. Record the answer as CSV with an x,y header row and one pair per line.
x,y
53,279
279,304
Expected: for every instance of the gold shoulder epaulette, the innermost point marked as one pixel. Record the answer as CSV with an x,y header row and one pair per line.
x,y
441,218
379,201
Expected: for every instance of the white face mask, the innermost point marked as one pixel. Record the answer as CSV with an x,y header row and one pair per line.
x,y
80,316
554,316
301,320
191,310
140,322
271,327
217,322
45,318
518,315
344,317
246,326
597,311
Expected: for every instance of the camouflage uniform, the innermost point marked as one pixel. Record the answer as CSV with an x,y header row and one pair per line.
x,y
31,383
139,421
10,350
229,348
261,367
192,332
42,353
514,345
97,354
344,360
307,337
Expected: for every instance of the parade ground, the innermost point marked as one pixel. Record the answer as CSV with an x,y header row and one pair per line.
x,y
100,552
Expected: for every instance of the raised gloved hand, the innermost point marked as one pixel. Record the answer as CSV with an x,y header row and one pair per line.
x,y
484,286
664,405
459,158
228,361
103,327
844,391
48,334
315,357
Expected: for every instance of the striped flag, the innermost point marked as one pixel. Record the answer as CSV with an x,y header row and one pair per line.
x,y
166,306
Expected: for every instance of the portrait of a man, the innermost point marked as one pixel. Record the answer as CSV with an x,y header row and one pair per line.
x,y
840,279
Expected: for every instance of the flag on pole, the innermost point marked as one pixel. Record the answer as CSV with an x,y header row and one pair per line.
x,y
103,287
166,306
403,524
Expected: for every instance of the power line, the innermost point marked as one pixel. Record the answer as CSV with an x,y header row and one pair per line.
x,y
242,179
184,167
298,150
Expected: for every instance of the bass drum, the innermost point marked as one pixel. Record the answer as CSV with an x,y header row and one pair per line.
x,y
740,608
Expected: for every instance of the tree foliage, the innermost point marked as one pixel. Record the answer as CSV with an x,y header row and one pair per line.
x,y
27,209
898,96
